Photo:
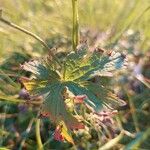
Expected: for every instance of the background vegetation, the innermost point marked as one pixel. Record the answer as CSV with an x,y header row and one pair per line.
x,y
118,25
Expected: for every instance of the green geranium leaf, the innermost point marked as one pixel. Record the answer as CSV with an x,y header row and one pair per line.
x,y
76,74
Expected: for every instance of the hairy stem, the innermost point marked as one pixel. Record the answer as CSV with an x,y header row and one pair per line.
x,y
38,136
75,28
11,24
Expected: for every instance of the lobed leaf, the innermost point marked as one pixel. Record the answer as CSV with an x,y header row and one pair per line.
x,y
50,81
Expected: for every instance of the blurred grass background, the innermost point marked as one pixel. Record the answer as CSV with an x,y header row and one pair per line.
x,y
52,20
109,23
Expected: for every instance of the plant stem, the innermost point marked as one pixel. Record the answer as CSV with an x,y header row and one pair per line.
x,y
75,28
21,101
9,80
133,110
38,136
113,142
26,133
30,34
